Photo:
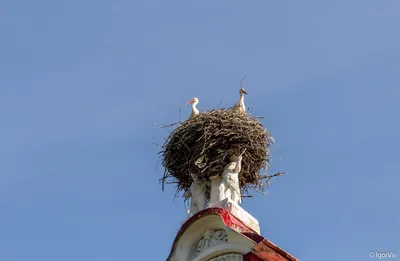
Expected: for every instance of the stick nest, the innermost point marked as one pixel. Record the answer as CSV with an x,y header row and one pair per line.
x,y
204,144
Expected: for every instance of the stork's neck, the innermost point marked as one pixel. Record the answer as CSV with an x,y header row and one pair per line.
x,y
242,100
194,109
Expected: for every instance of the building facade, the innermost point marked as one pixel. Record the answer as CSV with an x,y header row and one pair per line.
x,y
224,232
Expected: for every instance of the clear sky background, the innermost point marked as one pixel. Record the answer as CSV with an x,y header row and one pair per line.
x,y
82,82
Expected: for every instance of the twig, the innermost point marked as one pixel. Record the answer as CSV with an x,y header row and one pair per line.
x,y
218,105
166,125
242,81
180,114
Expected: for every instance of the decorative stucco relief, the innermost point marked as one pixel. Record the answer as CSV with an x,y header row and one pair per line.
x,y
210,239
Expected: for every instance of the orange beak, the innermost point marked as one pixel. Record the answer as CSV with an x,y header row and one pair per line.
x,y
189,102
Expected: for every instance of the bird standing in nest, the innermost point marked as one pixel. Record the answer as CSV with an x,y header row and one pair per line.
x,y
239,106
195,111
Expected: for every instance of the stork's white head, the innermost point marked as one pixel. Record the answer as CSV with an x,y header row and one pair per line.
x,y
241,91
194,100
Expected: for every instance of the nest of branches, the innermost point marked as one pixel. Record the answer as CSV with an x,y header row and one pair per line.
x,y
204,144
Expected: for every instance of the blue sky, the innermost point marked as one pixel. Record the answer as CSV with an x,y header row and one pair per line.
x,y
83,81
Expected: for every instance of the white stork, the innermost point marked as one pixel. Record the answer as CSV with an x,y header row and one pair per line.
x,y
239,106
195,111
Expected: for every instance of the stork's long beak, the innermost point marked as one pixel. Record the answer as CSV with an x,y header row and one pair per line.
x,y
189,102
244,91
